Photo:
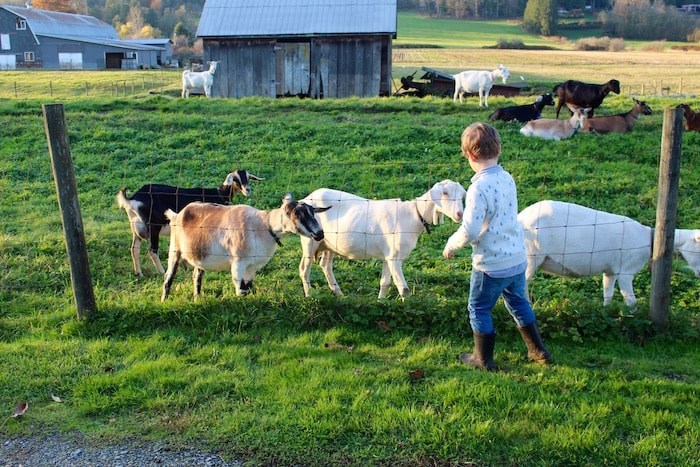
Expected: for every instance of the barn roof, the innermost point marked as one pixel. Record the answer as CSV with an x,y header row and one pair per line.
x,y
265,18
55,23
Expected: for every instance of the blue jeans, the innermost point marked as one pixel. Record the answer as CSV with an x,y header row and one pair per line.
x,y
484,291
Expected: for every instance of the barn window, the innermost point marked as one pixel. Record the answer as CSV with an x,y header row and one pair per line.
x,y
21,24
5,41
28,56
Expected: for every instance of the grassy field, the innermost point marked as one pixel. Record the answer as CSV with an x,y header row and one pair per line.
x,y
466,45
278,379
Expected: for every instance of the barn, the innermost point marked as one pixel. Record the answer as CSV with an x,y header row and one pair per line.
x,y
33,38
307,48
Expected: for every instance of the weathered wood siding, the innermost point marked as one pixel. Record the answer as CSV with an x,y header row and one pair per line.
x,y
315,67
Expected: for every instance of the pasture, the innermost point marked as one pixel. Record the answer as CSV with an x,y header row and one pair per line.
x,y
276,378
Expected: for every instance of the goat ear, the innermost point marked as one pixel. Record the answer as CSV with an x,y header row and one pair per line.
x,y
288,198
229,179
436,194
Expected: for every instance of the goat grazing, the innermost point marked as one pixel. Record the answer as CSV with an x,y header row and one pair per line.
x,y
146,209
478,81
199,79
550,128
577,94
620,123
692,119
575,241
358,228
240,239
523,113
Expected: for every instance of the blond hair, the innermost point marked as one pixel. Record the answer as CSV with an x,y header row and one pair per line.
x,y
481,141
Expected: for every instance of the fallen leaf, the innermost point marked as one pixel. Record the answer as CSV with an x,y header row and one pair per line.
x,y
55,398
20,409
383,325
416,374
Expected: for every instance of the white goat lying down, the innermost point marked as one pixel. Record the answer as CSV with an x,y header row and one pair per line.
x,y
240,238
571,240
358,228
553,129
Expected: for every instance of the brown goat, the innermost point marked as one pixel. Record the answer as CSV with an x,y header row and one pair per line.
x,y
692,119
620,123
578,94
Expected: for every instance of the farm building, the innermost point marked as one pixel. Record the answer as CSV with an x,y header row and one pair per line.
x,y
314,48
33,38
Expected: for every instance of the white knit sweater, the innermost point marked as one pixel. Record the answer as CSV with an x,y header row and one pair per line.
x,y
490,222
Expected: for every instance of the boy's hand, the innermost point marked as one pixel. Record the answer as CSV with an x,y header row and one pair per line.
x,y
448,253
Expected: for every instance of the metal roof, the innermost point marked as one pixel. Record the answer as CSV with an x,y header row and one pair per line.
x,y
256,18
129,45
54,23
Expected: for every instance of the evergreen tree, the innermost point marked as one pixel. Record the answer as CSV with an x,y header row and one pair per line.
x,y
540,17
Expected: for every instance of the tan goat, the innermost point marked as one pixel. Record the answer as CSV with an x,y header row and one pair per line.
x,y
619,123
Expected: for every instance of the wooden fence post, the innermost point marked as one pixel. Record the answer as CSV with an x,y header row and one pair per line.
x,y
667,202
64,177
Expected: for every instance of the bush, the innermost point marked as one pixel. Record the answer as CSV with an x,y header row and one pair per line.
x,y
694,36
600,43
503,43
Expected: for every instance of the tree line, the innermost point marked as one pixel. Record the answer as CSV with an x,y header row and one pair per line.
x,y
178,19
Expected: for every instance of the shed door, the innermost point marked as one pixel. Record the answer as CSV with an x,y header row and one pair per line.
x,y
70,60
8,62
293,68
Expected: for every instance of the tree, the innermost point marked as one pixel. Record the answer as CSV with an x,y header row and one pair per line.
x,y
540,17
65,6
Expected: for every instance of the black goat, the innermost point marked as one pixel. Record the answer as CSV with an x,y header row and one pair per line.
x,y
578,94
146,209
523,113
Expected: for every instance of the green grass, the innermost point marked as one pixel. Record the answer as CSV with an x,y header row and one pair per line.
x,y
277,378
419,30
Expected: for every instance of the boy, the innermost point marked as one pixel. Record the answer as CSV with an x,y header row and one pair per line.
x,y
491,226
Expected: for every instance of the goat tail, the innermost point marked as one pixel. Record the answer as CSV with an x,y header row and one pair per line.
x,y
123,200
170,214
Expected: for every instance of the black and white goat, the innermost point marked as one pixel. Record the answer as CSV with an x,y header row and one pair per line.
x,y
146,209
523,113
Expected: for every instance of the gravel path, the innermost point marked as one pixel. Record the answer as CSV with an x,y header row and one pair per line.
x,y
56,450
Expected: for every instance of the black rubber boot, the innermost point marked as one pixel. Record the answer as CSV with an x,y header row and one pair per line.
x,y
482,356
536,351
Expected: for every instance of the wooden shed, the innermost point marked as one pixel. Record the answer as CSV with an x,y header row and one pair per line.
x,y
308,48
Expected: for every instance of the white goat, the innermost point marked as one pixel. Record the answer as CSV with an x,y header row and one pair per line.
x,y
575,241
240,238
553,129
478,81
199,79
358,228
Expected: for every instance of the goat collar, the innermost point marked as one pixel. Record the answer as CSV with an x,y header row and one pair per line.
x,y
425,224
274,235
